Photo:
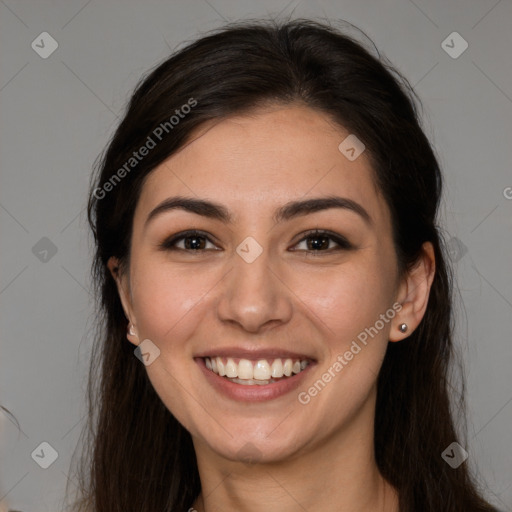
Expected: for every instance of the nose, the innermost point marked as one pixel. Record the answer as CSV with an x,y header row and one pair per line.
x,y
254,295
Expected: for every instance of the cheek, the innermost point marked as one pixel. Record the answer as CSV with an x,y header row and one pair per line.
x,y
169,305
349,303
168,300
346,299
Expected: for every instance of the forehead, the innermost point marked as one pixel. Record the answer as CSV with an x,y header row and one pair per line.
x,y
256,162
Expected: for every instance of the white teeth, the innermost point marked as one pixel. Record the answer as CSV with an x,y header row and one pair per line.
x,y
262,370
252,382
220,367
277,368
251,373
231,369
245,369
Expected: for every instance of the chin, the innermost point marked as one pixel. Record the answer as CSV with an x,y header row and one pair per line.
x,y
253,444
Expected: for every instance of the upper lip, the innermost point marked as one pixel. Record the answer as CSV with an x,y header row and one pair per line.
x,y
242,353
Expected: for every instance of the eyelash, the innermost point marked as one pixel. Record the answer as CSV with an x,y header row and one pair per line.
x,y
343,243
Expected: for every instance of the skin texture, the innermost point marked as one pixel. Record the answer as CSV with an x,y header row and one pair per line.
x,y
317,456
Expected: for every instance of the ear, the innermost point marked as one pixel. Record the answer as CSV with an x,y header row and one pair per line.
x,y
413,294
123,288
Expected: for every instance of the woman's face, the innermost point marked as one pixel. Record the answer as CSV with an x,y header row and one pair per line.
x,y
256,291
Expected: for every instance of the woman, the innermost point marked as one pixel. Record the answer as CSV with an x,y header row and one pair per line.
x,y
275,296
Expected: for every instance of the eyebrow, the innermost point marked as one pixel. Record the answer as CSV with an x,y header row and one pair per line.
x,y
286,212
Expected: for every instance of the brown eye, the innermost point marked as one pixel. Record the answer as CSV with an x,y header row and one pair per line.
x,y
321,241
194,241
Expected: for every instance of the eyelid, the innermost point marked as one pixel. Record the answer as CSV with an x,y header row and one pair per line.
x,y
340,240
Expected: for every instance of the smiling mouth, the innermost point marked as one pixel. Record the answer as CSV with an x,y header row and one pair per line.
x,y
258,372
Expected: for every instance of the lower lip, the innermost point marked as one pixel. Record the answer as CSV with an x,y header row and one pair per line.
x,y
256,392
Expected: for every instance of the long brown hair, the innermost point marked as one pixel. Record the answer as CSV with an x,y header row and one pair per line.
x,y
136,454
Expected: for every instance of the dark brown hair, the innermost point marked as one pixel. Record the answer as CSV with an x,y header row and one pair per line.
x,y
137,456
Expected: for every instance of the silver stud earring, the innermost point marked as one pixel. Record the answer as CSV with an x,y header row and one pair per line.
x,y
402,327
131,330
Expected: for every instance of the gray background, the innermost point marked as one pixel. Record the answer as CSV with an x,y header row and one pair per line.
x,y
58,113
